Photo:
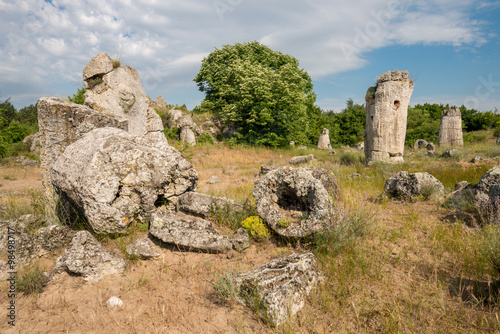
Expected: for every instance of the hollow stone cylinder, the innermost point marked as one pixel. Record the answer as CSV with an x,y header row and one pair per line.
x,y
386,115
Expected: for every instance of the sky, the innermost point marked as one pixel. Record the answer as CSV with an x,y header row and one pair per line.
x,y
451,48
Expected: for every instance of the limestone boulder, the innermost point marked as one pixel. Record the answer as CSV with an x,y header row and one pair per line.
x,y
98,66
112,177
292,201
327,179
188,232
160,102
487,189
324,140
406,186
278,290
62,123
301,159
54,237
240,240
175,117
143,249
450,129
86,257
386,116
205,206
187,136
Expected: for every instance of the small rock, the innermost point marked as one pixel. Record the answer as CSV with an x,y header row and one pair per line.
x,y
302,147
115,302
461,185
143,248
332,152
54,237
449,154
477,159
406,186
301,159
355,176
240,240
213,180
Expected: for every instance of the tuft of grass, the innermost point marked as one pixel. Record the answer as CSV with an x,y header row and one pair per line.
x,y
94,81
9,177
117,62
226,288
31,280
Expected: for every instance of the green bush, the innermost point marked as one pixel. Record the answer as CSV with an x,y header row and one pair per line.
x,y
351,158
31,280
226,287
78,96
171,133
205,138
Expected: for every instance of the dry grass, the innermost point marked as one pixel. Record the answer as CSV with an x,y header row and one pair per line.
x,y
417,269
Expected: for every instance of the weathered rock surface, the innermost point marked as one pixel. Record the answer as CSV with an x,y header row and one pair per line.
x,y
16,241
240,240
54,237
406,186
477,159
279,288
143,248
98,66
87,258
62,123
450,129
213,180
328,180
292,201
420,143
120,93
160,102
204,206
386,115
487,189
449,154
324,140
33,142
265,169
111,176
188,232
302,159
187,136
25,162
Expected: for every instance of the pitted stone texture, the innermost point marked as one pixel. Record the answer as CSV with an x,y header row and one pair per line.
x,y
111,177
279,288
121,94
98,66
488,188
450,129
324,140
62,123
406,186
302,159
188,232
87,258
328,180
143,248
386,115
160,102
22,243
54,237
292,201
240,240
204,206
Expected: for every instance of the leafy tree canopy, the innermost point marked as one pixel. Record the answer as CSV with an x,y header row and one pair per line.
x,y
260,92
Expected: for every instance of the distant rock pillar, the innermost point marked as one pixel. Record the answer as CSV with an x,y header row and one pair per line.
x,y
386,114
324,140
450,130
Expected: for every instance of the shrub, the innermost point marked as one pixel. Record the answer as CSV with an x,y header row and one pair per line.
x,y
226,287
78,96
3,148
171,133
255,226
205,138
31,280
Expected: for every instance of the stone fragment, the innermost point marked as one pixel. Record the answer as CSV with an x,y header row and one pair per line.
x,y
188,232
278,290
449,154
292,201
187,136
265,169
205,206
477,159
112,177
328,180
461,185
114,302
33,142
98,66
54,237
450,129
240,240
213,180
87,258
25,162
386,115
324,140
143,249
301,159
302,147
406,186
160,102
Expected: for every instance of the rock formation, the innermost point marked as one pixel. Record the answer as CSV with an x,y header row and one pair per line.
x,y
160,102
406,186
450,130
487,189
278,290
33,142
87,258
386,114
302,159
143,249
292,201
324,140
111,177
204,206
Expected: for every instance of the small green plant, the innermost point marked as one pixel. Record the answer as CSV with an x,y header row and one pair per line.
x,y
117,62
284,222
9,177
255,226
171,133
205,138
226,287
227,215
31,280
94,81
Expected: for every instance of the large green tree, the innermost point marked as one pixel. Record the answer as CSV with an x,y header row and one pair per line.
x,y
259,92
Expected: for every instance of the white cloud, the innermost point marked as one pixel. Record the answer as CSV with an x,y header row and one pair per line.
x,y
166,40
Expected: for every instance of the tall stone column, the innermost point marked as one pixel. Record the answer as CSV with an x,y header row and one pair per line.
x,y
450,130
386,114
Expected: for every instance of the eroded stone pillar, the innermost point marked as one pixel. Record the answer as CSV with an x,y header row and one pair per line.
x,y
386,114
450,130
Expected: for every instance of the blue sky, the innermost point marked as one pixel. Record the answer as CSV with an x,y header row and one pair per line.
x,y
450,47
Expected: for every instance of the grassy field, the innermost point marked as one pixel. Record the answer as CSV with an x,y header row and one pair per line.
x,y
390,266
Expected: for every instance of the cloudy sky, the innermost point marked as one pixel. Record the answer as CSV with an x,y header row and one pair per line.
x,y
450,47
